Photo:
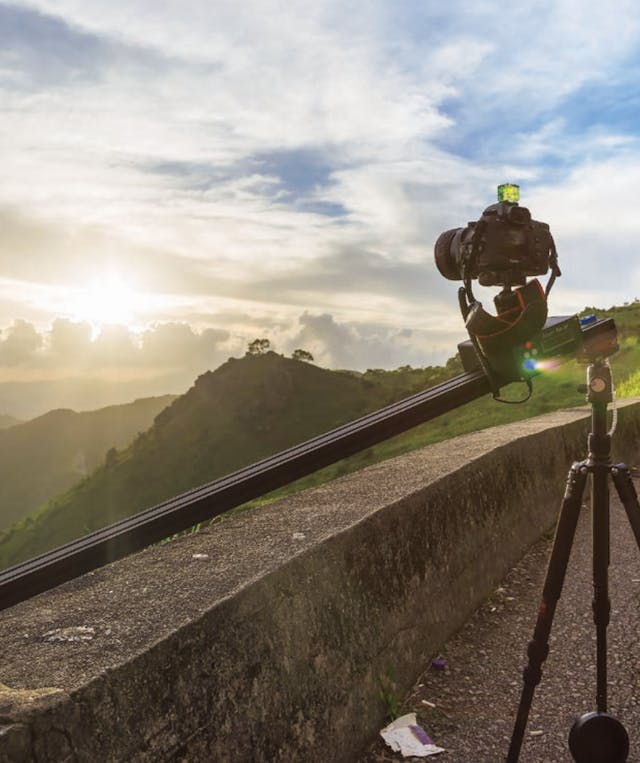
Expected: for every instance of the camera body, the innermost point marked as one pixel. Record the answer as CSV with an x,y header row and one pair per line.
x,y
502,248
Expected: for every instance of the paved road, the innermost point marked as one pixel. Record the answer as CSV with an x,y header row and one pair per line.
x,y
476,696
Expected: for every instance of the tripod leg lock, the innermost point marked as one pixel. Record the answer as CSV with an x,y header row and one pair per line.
x,y
576,479
537,653
624,483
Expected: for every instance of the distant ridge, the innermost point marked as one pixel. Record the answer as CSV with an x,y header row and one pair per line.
x,y
47,455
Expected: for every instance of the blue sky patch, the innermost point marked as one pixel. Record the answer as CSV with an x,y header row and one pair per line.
x,y
300,171
49,50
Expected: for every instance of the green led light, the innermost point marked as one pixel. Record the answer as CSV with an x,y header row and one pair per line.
x,y
509,192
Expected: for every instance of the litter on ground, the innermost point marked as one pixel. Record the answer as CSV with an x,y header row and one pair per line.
x,y
405,736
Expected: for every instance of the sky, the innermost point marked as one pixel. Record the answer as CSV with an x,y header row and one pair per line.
x,y
181,178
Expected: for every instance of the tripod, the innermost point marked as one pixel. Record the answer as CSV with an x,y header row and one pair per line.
x,y
595,737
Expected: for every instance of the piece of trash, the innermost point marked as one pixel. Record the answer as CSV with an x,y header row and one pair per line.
x,y
537,733
439,663
298,536
199,556
74,633
405,736
427,703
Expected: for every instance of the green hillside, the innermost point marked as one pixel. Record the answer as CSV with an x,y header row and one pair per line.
x,y
251,408
551,391
43,457
244,411
627,320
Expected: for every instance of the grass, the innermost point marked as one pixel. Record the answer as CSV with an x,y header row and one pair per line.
x,y
395,706
552,390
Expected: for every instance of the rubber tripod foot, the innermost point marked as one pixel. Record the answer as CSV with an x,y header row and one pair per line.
x,y
598,738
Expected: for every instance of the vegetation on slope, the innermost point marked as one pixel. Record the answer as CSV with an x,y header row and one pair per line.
x,y
550,392
47,455
244,411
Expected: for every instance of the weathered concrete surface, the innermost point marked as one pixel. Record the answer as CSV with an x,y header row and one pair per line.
x,y
272,648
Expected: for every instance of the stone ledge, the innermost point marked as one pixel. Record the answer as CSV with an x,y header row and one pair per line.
x,y
266,637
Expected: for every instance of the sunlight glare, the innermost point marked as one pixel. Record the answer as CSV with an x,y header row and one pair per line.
x,y
110,300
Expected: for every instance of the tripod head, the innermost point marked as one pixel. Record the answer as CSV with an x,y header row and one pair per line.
x,y
599,387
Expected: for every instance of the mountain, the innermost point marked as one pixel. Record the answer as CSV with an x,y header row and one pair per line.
x,y
47,455
7,421
243,411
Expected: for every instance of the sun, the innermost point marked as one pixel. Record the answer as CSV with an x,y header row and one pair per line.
x,y
105,301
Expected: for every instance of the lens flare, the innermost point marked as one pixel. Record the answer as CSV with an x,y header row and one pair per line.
x,y
548,365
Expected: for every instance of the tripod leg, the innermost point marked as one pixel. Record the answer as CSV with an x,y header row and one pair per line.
x,y
601,603
628,496
538,648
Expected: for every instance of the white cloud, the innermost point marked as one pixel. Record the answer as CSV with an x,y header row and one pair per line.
x,y
19,343
543,52
150,145
71,349
68,350
361,346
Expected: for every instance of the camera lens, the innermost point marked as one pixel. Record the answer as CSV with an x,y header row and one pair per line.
x,y
447,254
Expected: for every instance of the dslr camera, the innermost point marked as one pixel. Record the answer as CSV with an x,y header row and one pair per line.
x,y
503,248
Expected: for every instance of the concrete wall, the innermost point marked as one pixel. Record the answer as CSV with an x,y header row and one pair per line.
x,y
266,637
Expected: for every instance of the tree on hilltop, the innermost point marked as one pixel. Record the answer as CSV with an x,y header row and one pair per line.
x,y
258,347
302,355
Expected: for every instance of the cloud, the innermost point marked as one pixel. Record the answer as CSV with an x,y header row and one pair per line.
x,y
241,170
362,346
19,343
594,239
71,348
69,340
176,344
